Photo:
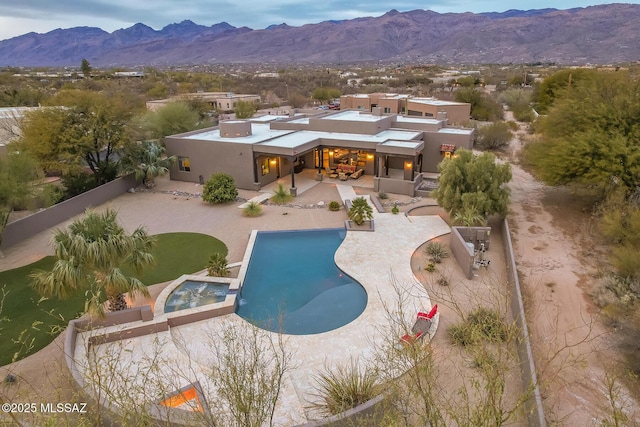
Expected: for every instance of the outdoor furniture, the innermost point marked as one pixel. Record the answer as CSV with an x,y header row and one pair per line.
x,y
343,176
357,174
333,175
346,169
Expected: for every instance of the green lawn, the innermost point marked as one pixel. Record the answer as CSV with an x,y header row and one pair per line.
x,y
27,319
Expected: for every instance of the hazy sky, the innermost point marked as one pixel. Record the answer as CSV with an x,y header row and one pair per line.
x,y
18,17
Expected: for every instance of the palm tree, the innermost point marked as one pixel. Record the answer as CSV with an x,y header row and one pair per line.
x,y
147,161
469,216
91,254
360,210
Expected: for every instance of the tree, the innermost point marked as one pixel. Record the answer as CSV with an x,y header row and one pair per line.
x,y
85,68
473,182
360,211
494,136
18,174
244,109
591,136
173,118
146,160
324,94
89,131
554,86
482,107
91,255
219,188
297,100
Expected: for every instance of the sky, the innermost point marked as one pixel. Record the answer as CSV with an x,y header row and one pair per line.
x,y
19,17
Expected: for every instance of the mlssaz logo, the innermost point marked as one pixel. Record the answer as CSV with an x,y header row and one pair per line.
x,y
79,408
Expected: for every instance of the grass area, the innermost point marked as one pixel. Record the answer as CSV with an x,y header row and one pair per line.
x,y
31,323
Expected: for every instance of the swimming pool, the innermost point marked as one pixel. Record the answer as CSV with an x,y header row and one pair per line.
x,y
293,286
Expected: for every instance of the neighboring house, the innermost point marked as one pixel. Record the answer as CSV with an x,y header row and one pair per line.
x,y
395,149
393,103
223,101
10,118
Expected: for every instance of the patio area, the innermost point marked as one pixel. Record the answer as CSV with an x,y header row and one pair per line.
x,y
185,351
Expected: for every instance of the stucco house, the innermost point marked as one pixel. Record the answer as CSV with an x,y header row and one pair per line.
x,y
222,101
393,103
392,148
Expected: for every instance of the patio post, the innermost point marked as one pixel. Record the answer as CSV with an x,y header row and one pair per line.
x,y
293,189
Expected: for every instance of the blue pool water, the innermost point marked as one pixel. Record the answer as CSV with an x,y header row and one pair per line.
x,y
293,286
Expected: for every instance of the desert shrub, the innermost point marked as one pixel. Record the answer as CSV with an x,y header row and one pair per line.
x,y
334,206
395,210
220,188
281,195
443,281
252,209
217,265
360,211
436,251
481,325
345,388
430,268
382,195
494,136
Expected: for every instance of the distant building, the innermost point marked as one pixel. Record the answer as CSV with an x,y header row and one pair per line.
x,y
224,101
10,124
393,103
129,74
394,149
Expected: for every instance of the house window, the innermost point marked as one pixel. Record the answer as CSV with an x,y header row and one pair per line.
x,y
265,167
184,164
387,109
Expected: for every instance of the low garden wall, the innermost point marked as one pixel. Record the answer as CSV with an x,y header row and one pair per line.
x,y
17,231
533,406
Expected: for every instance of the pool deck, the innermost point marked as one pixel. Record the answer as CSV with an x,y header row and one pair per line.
x,y
379,260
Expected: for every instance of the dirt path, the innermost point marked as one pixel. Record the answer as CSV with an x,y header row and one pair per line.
x,y
572,348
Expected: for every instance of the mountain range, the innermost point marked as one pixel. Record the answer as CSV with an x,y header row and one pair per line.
x,y
602,34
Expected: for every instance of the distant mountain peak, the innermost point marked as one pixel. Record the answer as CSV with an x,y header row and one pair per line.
x,y
282,26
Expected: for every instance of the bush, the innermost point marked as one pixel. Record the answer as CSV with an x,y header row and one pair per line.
x,y
252,209
334,206
395,210
436,251
481,325
382,195
345,388
494,136
431,267
360,211
217,265
220,188
281,195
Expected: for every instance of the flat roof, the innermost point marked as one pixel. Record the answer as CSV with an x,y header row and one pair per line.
x,y
404,144
267,118
457,131
353,116
408,148
433,101
413,119
260,132
11,112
